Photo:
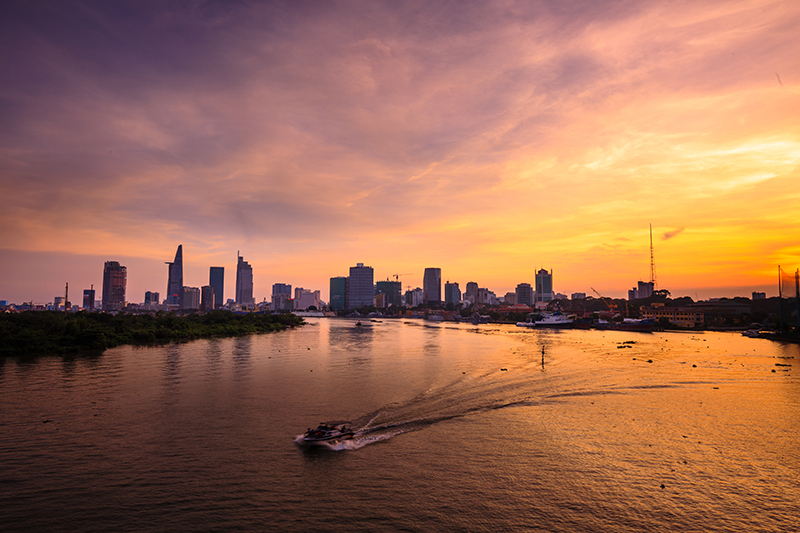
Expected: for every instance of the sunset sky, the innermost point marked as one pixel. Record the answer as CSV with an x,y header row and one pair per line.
x,y
489,139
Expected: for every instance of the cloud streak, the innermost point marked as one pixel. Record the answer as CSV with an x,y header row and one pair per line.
x,y
523,132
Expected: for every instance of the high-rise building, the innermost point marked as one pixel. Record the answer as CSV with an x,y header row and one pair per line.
x,y
216,279
361,292
452,294
207,298
305,298
524,294
175,279
644,289
414,297
510,298
282,288
432,286
244,282
114,282
88,299
151,298
338,294
190,298
544,286
392,291
471,294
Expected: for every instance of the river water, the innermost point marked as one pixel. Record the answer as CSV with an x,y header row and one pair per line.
x,y
462,428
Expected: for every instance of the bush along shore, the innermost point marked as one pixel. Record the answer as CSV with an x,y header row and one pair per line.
x,y
52,332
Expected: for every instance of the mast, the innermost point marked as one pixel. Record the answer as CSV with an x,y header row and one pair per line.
x,y
780,301
652,260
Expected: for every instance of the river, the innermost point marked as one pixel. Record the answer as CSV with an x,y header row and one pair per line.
x,y
461,428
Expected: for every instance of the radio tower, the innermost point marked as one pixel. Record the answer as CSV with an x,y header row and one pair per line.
x,y
652,261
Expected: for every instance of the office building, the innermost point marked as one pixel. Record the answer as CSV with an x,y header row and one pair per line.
x,y
644,289
392,293
524,294
414,297
216,279
510,298
88,299
759,295
190,298
305,298
282,288
361,292
471,294
432,286
578,296
338,293
114,282
207,298
452,294
244,282
544,286
175,280
151,298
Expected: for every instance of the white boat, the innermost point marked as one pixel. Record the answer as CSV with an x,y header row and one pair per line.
x,y
328,432
528,324
555,320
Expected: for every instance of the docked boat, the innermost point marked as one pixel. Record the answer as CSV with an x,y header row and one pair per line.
x,y
629,324
528,324
328,432
555,320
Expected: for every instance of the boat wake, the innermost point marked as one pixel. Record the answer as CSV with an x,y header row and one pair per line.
x,y
457,400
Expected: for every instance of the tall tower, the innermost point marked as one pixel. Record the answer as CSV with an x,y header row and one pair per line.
x,y
361,290
244,281
114,282
216,279
175,279
544,285
432,286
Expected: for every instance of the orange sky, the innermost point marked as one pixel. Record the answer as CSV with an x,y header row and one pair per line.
x,y
489,139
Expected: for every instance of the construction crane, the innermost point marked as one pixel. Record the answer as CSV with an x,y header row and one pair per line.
x,y
611,305
397,276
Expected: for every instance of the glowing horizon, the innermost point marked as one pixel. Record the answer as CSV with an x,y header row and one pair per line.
x,y
487,139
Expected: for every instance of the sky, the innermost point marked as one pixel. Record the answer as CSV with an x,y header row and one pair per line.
x,y
487,138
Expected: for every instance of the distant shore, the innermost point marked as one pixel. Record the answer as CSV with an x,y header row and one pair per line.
x,y
53,332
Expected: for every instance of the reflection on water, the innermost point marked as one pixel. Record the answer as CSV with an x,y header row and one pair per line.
x,y
170,437
242,364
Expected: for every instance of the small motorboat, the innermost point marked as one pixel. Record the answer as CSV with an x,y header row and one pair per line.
x,y
328,432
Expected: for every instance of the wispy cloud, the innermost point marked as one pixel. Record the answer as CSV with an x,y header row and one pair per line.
x,y
527,131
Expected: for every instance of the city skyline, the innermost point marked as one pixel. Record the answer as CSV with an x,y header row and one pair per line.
x,y
489,139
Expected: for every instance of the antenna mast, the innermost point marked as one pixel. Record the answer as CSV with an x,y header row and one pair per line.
x,y
652,261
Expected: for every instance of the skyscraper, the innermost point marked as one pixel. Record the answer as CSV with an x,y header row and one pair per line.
x,y
207,298
88,299
471,294
361,292
524,294
175,279
114,282
282,288
338,294
392,291
216,279
244,282
544,286
452,294
432,286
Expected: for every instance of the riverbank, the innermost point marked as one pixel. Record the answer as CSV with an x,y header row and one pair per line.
x,y
52,332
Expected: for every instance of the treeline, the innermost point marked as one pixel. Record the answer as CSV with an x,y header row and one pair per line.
x,y
45,332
